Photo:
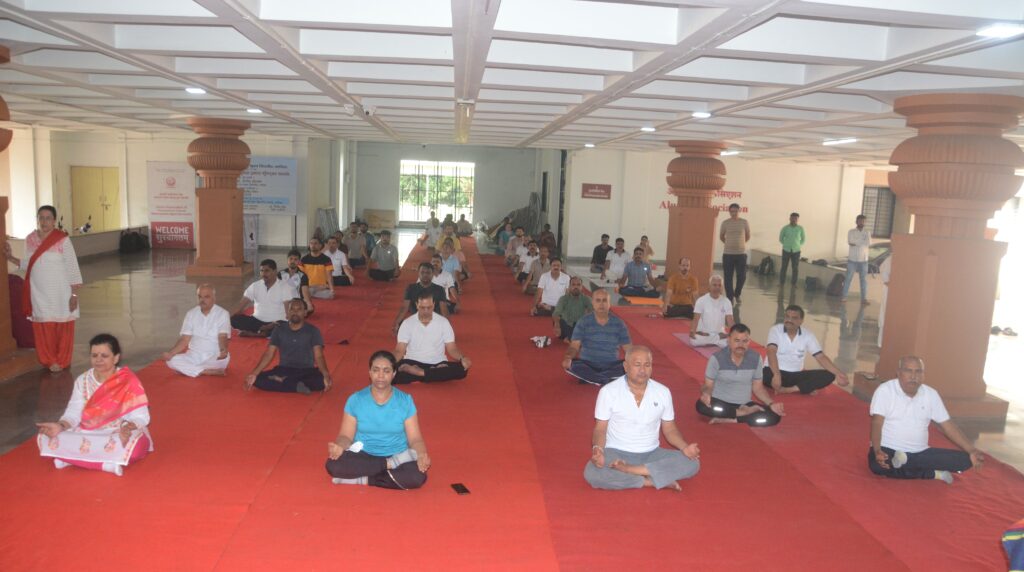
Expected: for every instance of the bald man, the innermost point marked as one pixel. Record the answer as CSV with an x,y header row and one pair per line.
x,y
593,352
202,348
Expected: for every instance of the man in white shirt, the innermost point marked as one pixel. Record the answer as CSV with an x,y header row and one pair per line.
x,y
616,261
712,316
551,286
425,340
445,280
901,411
625,451
431,233
521,252
859,240
788,344
342,273
269,298
526,261
202,348
297,279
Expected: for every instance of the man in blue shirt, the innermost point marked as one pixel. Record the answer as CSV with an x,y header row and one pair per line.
x,y
593,353
637,276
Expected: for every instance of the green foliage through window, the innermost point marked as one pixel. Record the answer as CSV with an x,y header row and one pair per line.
x,y
444,187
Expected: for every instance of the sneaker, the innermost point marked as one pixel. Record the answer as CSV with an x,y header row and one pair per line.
x,y
545,342
944,476
899,458
113,468
61,464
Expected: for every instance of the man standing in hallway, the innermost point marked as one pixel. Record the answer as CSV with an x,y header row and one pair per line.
x,y
593,355
734,234
302,368
202,348
788,344
859,240
681,292
901,411
792,238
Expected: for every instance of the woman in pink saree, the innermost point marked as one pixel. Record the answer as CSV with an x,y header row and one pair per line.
x,y
105,424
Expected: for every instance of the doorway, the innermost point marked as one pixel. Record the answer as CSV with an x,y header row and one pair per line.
x,y
95,199
441,186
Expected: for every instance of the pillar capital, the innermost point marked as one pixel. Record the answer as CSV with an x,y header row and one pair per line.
x,y
218,155
697,173
959,169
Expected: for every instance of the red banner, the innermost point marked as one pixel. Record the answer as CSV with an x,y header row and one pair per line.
x,y
171,235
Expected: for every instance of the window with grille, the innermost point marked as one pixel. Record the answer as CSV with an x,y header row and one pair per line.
x,y
440,186
879,206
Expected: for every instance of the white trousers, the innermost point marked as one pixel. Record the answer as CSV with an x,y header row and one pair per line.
x,y
192,363
709,340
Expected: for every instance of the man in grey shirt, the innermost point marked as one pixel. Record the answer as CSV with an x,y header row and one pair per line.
x,y
732,374
302,368
384,259
734,234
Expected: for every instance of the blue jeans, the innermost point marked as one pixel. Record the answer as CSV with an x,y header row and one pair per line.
x,y
862,269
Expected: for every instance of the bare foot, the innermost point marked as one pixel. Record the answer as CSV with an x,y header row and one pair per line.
x,y
793,389
717,420
675,486
411,369
55,368
815,392
747,410
620,465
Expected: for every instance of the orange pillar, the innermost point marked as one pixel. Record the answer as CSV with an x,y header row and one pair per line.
x,y
952,176
219,156
694,177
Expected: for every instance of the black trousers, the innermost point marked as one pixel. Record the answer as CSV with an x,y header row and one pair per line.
x,y
807,380
444,371
921,465
341,280
538,311
682,311
724,410
362,464
354,262
381,275
308,376
522,276
787,259
596,373
244,323
734,264
566,329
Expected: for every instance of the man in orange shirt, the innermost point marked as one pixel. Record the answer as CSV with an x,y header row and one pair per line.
x,y
680,293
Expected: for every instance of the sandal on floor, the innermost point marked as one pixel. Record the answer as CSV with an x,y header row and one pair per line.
x,y
1009,332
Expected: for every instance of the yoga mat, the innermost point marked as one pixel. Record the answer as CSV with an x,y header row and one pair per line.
x,y
704,351
641,301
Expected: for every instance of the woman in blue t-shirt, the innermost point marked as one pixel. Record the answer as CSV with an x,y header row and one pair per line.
x,y
380,442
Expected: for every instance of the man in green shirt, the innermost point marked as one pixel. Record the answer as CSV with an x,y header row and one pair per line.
x,y
572,306
792,238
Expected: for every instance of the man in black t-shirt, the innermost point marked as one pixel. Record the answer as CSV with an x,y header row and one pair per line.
x,y
318,268
302,368
298,279
600,254
412,293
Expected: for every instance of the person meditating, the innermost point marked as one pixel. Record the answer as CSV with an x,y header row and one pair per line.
x,y
379,443
424,339
105,424
341,272
901,411
712,314
445,280
636,276
384,259
625,451
550,289
600,254
269,298
570,308
425,284
681,292
788,345
302,368
731,375
318,269
463,227
297,279
539,267
202,348
593,354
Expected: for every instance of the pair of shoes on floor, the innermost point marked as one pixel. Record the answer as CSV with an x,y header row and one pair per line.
x,y
541,341
996,330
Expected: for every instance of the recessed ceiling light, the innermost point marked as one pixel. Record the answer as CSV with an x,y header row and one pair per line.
x,y
1001,31
727,153
648,129
254,110
588,145
700,114
843,141
195,90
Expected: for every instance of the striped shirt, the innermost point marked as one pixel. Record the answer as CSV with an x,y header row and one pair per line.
x,y
735,231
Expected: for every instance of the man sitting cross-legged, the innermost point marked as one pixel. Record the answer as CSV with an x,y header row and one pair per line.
x,y
550,289
681,292
202,348
539,267
712,315
384,259
636,276
341,273
302,368
423,340
901,411
731,375
625,451
425,283
318,268
297,279
570,308
593,355
445,280
788,344
269,297
526,261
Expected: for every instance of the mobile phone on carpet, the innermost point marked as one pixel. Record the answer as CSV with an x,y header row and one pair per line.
x,y
460,489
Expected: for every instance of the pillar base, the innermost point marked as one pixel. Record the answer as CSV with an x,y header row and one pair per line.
x,y
691,234
18,362
987,408
197,270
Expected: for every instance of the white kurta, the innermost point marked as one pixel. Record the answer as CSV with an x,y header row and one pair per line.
x,y
53,274
102,445
203,347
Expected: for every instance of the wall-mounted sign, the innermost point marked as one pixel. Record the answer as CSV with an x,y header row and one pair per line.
x,y
270,185
595,191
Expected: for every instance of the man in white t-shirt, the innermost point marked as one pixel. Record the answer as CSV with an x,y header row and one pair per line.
x,y
425,340
342,273
625,451
712,316
789,343
901,411
550,288
445,280
526,261
269,297
615,262
202,348
859,240
431,233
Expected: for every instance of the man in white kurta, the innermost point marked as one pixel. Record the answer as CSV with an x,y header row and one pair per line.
x,y
202,348
712,316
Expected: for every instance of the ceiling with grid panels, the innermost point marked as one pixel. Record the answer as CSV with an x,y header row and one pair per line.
x,y
778,78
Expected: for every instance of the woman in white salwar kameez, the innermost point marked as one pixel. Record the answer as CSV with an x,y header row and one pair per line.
x,y
105,424
50,295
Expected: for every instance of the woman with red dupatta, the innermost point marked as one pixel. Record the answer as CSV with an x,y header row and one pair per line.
x,y
50,297
104,425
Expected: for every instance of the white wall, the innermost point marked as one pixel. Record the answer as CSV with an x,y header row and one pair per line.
x,y
504,178
825,195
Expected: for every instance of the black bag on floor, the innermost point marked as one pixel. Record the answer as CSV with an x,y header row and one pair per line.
x,y
767,266
133,241
812,283
835,287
